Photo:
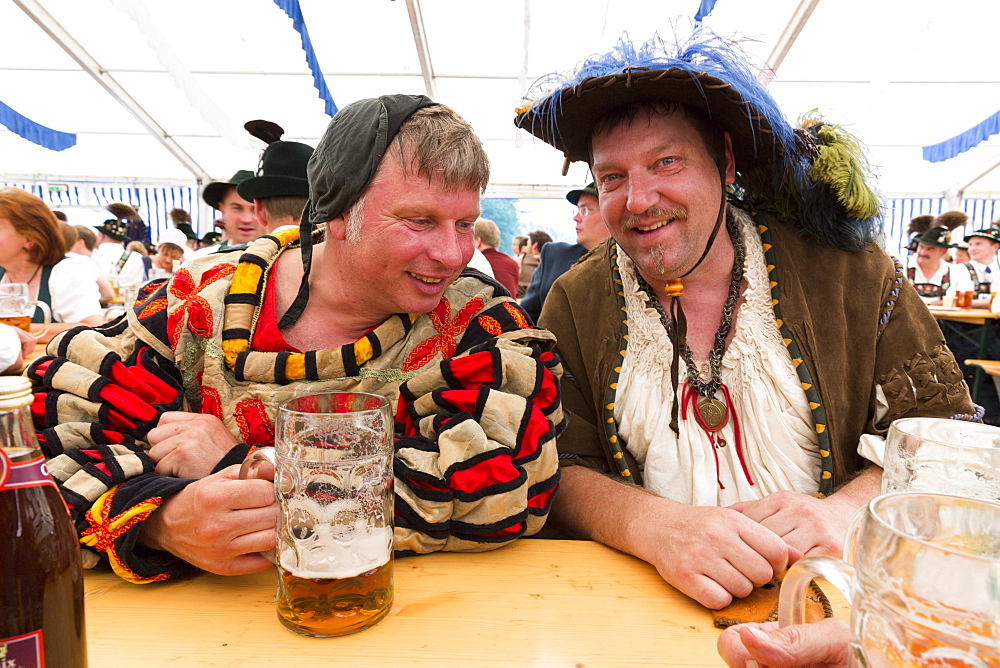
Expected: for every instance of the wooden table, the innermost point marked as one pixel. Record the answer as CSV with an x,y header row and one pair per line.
x,y
569,603
972,316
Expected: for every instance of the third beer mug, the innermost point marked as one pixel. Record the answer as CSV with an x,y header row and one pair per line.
x,y
334,485
17,309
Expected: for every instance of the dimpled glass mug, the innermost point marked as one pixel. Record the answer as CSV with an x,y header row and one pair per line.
x,y
924,586
17,309
946,456
334,487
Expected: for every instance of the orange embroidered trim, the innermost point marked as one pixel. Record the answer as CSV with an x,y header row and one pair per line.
x,y
490,325
518,316
196,308
153,307
448,329
105,530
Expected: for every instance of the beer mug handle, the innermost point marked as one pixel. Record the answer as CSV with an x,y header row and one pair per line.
x,y
47,320
791,599
248,470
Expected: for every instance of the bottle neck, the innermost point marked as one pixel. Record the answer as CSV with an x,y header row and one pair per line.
x,y
17,434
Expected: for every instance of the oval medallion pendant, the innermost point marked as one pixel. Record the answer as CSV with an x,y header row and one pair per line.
x,y
714,414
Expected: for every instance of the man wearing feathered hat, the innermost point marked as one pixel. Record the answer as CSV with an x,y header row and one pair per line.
x,y
115,264
978,273
742,346
280,188
928,270
367,294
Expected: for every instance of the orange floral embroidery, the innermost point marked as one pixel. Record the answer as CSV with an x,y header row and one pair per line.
x,y
449,331
517,315
105,530
194,308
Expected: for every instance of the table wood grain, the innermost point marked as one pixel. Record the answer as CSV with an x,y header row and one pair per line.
x,y
536,602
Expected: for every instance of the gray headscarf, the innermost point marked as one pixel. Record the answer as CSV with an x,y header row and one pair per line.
x,y
342,167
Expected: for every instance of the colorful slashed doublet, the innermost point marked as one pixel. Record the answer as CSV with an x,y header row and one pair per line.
x,y
478,405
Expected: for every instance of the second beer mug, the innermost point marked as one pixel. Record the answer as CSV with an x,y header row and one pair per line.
x,y
334,486
17,309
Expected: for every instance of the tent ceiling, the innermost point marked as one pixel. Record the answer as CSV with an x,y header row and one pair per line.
x,y
901,74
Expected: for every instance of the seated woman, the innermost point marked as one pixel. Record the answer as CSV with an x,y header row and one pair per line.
x,y
32,251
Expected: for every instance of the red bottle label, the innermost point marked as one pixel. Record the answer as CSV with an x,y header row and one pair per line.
x,y
32,473
22,651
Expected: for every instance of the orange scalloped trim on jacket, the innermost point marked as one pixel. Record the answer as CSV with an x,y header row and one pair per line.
x,y
518,316
105,530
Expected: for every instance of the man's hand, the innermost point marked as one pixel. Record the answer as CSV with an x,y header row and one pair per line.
x,y
824,644
188,445
812,526
712,554
815,526
219,524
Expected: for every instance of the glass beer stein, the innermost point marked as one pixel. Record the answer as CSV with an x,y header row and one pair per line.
x,y
945,456
333,481
17,309
924,586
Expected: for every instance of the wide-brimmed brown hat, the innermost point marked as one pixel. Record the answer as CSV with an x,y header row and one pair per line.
x,y
813,174
936,236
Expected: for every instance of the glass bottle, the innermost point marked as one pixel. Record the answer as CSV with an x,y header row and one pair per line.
x,y
41,570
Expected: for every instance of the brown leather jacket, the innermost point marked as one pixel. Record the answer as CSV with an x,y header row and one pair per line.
x,y
853,318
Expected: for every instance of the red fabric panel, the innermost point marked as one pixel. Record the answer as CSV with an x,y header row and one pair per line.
x,y
488,472
267,337
473,371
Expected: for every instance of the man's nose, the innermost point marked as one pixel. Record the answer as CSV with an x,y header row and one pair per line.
x,y
642,196
451,249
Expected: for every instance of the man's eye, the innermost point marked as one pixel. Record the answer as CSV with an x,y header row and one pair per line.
x,y
668,161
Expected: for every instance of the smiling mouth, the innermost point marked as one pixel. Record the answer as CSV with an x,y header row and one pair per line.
x,y
426,279
655,225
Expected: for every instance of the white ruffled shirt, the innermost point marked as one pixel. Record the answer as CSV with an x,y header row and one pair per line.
x,y
779,442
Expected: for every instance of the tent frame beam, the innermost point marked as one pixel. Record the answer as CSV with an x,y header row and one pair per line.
x,y
420,41
76,51
788,36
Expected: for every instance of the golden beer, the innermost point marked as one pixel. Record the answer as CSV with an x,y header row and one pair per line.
x,y
324,607
22,322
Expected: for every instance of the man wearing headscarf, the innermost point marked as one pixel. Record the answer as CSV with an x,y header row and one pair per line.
x,y
368,294
735,355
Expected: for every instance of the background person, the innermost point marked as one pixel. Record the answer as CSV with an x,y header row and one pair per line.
x,y
32,251
556,257
279,190
238,222
928,270
530,259
505,270
84,247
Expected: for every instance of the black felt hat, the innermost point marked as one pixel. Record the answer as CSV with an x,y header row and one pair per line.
x,y
936,236
211,238
216,190
991,233
282,172
574,195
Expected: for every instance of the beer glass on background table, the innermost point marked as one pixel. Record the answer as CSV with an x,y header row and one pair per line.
x,y
17,309
940,455
334,485
924,582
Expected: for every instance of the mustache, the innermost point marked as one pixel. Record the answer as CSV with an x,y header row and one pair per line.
x,y
656,213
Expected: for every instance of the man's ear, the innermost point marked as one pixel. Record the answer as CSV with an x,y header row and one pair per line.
x,y
730,161
259,213
337,228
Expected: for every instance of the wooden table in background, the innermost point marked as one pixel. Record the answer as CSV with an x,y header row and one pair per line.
x,y
991,367
972,316
534,602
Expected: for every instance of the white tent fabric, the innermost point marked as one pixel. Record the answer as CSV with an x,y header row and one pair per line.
x,y
900,73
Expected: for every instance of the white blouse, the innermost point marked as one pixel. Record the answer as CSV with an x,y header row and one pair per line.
x,y
779,442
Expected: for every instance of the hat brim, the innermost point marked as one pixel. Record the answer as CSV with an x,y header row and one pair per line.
x,y
567,120
260,187
574,195
214,192
983,236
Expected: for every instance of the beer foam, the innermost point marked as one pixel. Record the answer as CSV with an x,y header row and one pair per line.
x,y
340,542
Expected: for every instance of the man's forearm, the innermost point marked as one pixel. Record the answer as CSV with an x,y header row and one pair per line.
x,y
862,488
